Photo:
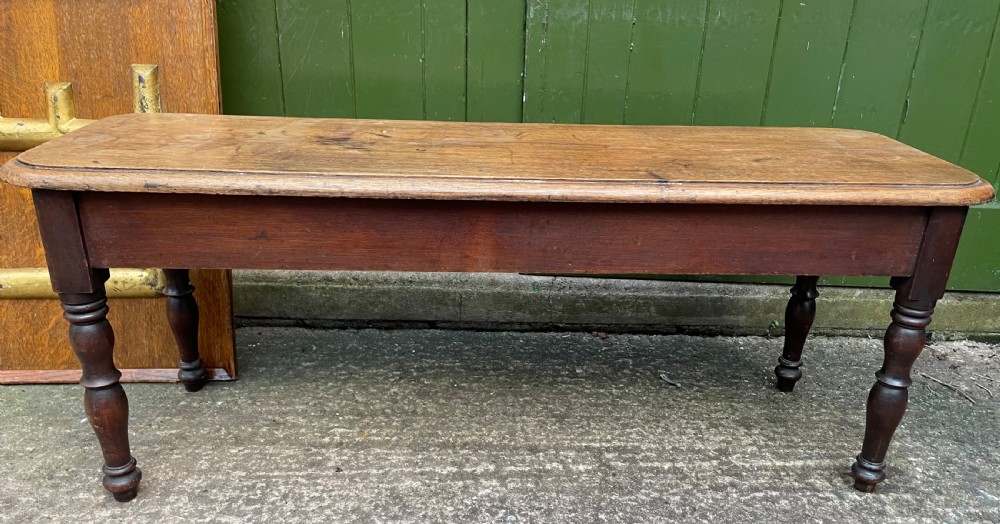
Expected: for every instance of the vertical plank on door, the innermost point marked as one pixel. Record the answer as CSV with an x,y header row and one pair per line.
x,y
444,30
975,267
739,42
808,55
388,52
946,77
981,153
494,79
555,60
315,42
609,40
249,60
881,48
663,71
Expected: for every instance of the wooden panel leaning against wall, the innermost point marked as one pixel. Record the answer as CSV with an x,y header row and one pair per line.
x,y
92,44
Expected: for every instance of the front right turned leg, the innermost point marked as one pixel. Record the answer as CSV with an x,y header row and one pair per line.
x,y
904,340
93,341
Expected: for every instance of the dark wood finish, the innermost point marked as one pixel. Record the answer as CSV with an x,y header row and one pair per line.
x,y
937,251
104,400
489,161
916,296
287,194
69,267
91,43
124,229
182,314
799,315
84,302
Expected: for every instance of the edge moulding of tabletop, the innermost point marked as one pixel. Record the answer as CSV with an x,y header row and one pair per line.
x,y
197,191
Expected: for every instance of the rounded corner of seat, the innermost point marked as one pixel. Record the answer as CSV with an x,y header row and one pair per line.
x,y
12,171
982,193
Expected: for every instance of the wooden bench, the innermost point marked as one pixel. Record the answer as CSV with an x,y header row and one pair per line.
x,y
183,191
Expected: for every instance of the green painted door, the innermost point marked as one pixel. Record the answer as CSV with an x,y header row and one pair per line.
x,y
924,71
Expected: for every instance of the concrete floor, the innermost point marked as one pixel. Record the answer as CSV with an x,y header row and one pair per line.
x,y
452,426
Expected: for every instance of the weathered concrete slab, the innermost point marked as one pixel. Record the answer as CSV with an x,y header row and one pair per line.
x,y
511,301
452,426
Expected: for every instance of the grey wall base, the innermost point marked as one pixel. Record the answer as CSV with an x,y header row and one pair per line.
x,y
512,301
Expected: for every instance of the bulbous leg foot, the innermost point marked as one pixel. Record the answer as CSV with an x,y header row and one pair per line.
x,y
123,481
192,375
799,316
867,475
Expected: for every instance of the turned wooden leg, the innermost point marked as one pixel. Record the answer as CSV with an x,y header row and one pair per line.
x,y
916,296
93,341
182,314
904,340
84,302
799,316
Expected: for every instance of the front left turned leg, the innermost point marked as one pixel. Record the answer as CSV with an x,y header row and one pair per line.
x,y
799,316
904,340
105,402
182,314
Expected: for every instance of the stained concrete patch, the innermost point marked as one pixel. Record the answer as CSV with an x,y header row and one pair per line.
x,y
453,426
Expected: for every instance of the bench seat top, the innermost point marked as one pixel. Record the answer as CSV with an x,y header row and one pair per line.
x,y
211,154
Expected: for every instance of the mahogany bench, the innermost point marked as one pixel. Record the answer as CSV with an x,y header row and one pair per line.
x,y
182,191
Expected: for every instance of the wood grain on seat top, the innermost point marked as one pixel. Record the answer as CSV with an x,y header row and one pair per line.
x,y
178,153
